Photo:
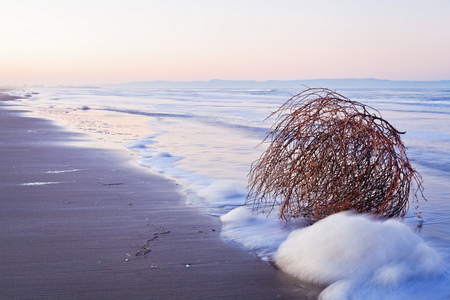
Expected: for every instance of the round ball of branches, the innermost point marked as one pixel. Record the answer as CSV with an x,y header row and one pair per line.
x,y
329,154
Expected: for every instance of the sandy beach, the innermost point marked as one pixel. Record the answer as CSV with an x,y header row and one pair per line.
x,y
79,223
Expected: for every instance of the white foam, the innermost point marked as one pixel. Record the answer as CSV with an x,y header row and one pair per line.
x,y
39,183
222,192
261,234
63,171
347,251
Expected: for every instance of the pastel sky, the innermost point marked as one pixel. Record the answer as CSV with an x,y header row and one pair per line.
x,y
111,41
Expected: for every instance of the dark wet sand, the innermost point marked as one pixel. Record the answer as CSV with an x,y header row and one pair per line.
x,y
78,239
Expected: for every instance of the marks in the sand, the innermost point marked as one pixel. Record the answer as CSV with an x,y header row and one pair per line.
x,y
112,183
149,249
146,246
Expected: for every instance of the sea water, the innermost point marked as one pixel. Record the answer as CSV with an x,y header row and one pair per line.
x,y
206,139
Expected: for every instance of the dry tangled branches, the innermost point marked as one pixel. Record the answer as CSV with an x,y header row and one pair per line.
x,y
328,154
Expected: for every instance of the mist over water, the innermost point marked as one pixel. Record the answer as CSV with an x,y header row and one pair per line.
x,y
206,139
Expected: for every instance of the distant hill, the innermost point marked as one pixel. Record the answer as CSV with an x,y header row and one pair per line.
x,y
313,83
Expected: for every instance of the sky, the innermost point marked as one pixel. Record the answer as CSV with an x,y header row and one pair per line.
x,y
109,41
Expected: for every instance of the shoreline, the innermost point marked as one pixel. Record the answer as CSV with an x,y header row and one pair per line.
x,y
78,222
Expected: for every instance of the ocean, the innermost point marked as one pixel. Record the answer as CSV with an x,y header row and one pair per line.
x,y
207,139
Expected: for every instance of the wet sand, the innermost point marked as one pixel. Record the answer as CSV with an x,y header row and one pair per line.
x,y
84,223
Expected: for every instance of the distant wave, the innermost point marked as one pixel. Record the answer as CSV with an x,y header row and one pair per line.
x,y
259,131
149,114
422,111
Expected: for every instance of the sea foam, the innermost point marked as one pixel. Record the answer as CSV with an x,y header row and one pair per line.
x,y
261,234
347,251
